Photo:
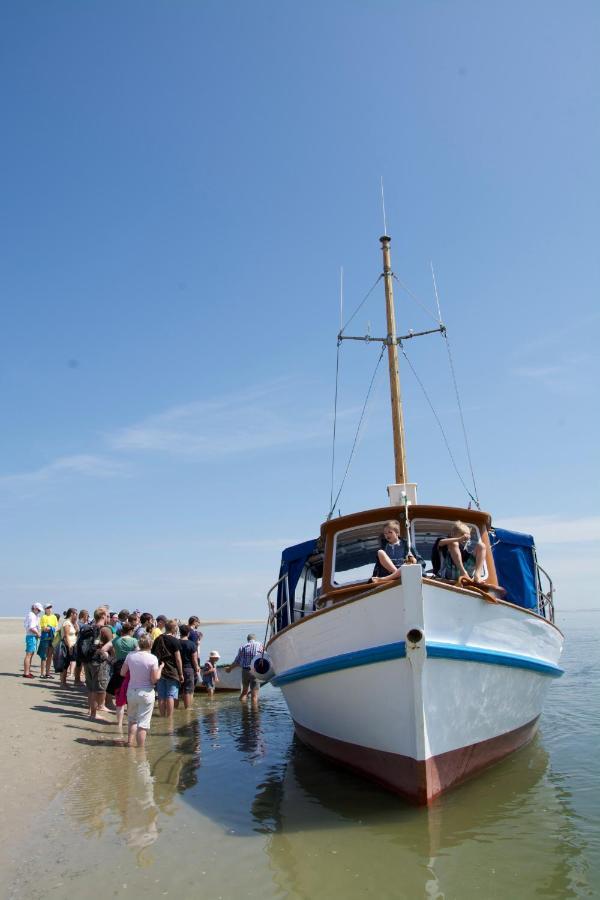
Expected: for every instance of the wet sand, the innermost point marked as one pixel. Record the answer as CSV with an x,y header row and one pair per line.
x,y
47,737
37,750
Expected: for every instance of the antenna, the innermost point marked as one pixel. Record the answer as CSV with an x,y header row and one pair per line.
x,y
437,299
341,298
385,231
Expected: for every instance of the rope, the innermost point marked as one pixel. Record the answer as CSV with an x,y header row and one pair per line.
x,y
335,401
462,420
441,427
362,303
360,421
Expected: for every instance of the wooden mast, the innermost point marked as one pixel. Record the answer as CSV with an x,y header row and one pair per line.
x,y
397,416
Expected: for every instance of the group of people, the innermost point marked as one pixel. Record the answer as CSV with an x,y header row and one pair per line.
x,y
129,660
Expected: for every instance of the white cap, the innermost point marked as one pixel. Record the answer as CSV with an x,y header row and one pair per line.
x,y
214,654
39,607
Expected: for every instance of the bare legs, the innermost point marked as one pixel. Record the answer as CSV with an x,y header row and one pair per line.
x,y
27,664
166,707
136,737
97,699
455,555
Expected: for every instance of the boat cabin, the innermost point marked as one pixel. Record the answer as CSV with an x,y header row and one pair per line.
x,y
339,564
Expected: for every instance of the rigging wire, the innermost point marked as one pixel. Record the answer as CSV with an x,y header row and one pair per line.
x,y
360,421
462,420
416,299
456,391
362,302
475,499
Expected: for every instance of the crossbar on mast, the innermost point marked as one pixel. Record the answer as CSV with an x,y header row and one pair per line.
x,y
387,340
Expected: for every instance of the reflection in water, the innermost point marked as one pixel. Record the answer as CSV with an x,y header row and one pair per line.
x,y
137,807
247,806
324,828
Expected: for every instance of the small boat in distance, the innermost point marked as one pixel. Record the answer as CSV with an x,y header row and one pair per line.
x,y
420,681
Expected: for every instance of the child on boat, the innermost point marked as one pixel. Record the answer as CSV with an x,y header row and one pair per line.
x,y
393,554
461,554
209,672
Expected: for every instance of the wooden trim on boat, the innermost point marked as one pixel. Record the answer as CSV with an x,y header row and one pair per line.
x,y
460,590
329,529
378,588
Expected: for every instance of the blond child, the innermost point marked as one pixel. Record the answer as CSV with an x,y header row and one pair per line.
x,y
464,556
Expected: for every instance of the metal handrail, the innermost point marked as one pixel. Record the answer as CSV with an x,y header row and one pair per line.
x,y
272,620
546,598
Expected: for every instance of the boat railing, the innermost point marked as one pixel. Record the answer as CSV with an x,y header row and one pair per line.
x,y
545,596
275,612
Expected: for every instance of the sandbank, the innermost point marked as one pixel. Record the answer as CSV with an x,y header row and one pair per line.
x,y
37,751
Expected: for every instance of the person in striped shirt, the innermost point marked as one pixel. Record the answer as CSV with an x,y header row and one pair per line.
x,y
244,658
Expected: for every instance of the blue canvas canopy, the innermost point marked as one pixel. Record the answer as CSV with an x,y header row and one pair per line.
x,y
515,561
293,560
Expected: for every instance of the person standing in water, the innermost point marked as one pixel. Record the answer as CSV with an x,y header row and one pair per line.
x,y
144,672
244,658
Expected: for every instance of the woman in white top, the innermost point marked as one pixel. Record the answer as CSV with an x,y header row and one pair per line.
x,y
144,672
68,633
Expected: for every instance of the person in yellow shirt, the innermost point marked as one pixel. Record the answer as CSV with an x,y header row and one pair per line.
x,y
159,628
48,626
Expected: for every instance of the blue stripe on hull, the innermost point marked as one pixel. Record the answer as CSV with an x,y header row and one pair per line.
x,y
397,650
493,657
351,660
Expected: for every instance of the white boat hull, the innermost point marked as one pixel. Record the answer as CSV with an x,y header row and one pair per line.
x,y
228,681
420,714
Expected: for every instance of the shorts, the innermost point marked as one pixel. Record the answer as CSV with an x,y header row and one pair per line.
x,y
208,681
140,705
189,681
249,680
99,675
167,689
30,643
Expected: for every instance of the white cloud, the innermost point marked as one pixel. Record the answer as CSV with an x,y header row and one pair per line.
x,y
542,372
555,529
81,464
254,419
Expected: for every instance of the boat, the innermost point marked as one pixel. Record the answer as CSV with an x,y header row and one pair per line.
x,y
418,682
228,681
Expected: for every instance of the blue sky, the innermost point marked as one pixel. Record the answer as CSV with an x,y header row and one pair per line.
x,y
182,182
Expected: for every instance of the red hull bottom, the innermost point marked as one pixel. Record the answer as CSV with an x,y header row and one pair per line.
x,y
419,781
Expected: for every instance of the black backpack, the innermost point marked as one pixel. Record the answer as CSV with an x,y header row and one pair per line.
x,y
86,643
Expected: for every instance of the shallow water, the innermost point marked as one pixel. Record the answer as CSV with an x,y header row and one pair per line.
x,y
230,804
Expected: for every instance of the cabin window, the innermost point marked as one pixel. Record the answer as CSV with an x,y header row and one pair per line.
x,y
425,532
355,553
307,590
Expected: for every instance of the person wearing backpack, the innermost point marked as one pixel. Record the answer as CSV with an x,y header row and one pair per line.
x,y
88,642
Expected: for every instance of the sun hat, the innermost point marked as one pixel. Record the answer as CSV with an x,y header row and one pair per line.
x,y
48,606
214,654
38,606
